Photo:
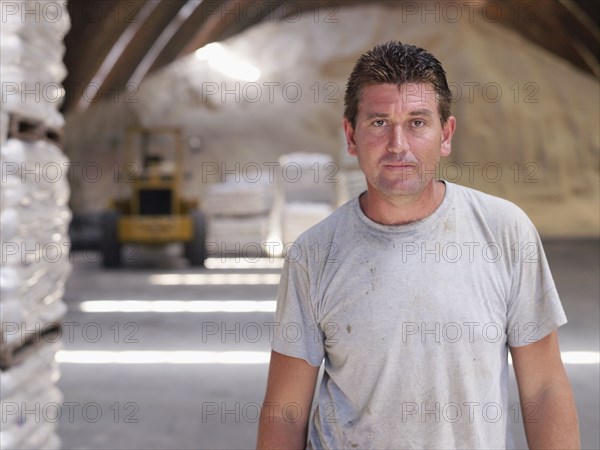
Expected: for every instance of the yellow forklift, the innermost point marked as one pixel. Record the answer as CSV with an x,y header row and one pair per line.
x,y
154,211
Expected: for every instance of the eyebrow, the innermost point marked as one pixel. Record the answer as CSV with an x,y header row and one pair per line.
x,y
374,115
416,112
421,112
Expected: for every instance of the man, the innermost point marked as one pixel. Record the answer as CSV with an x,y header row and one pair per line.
x,y
413,293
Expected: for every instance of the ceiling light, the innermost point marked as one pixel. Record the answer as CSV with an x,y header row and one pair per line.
x,y
221,59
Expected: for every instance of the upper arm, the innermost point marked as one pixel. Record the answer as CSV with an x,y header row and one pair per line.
x,y
538,366
286,409
291,381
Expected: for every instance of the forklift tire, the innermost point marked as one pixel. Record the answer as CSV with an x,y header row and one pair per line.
x,y
195,250
110,245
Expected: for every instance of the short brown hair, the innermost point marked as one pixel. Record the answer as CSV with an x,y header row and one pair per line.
x,y
396,63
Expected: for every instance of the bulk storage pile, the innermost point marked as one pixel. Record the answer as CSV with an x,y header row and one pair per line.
x,y
34,218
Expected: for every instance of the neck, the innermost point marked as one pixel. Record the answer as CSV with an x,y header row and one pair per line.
x,y
399,210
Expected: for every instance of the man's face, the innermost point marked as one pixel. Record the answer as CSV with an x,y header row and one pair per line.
x,y
398,138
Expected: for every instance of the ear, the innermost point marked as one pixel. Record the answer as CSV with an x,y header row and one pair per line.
x,y
447,133
349,132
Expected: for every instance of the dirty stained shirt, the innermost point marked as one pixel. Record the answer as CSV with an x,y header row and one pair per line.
x,y
413,322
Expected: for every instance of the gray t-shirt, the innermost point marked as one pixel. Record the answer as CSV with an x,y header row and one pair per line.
x,y
413,322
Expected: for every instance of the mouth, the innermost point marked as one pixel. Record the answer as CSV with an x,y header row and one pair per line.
x,y
400,166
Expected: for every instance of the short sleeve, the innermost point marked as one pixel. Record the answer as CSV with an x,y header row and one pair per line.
x,y
534,307
297,333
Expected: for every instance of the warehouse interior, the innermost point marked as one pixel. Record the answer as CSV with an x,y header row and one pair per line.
x,y
121,330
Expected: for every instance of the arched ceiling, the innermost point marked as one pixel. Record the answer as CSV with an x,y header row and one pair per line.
x,y
114,44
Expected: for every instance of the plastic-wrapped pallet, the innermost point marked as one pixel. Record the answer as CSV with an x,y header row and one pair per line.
x,y
309,189
237,236
298,217
347,161
238,199
352,183
308,177
34,219
238,218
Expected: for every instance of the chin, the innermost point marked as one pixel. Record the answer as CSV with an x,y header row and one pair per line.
x,y
399,188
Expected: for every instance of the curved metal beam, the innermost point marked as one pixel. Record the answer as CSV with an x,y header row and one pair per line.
x,y
165,37
117,50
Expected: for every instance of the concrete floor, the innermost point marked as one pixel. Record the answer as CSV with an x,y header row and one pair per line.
x,y
215,405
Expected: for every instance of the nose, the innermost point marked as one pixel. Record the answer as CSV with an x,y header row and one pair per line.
x,y
398,142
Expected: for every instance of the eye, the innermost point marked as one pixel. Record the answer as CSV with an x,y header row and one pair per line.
x,y
418,123
379,123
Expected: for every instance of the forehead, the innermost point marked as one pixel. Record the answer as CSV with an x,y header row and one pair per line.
x,y
382,97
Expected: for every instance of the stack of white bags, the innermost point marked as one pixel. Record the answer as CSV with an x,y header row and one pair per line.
x,y
238,217
31,69
31,402
34,218
309,183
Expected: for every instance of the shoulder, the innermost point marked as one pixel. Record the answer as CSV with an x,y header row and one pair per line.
x,y
494,209
500,219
